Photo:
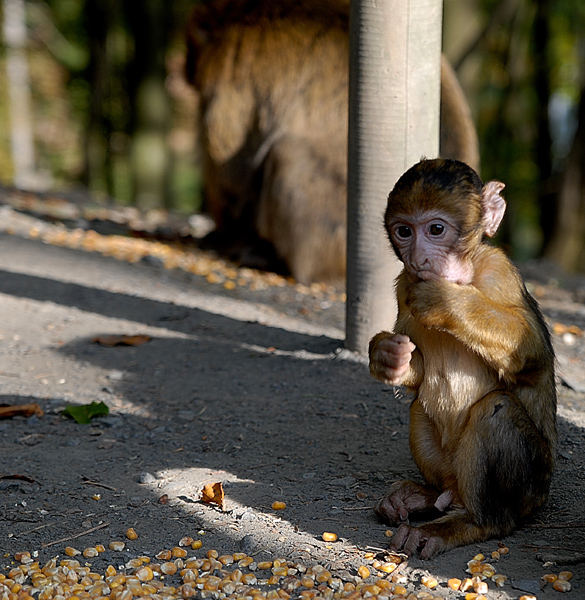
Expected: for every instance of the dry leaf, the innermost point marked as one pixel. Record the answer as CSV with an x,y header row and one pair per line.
x,y
212,493
122,340
24,410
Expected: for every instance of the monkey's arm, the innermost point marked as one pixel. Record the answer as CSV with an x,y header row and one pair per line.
x,y
496,323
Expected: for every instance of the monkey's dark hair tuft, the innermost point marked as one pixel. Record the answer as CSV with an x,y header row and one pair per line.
x,y
444,173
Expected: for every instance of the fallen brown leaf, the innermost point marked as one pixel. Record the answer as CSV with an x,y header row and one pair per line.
x,y
121,340
212,493
24,410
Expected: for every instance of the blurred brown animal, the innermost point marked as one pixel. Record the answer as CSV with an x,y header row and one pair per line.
x,y
272,79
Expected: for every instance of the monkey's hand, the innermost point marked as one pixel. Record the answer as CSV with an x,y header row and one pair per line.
x,y
433,302
404,498
390,356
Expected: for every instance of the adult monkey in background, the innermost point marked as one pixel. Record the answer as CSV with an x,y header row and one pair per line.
x,y
472,344
272,79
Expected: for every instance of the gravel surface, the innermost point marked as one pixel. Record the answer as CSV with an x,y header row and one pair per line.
x,y
240,384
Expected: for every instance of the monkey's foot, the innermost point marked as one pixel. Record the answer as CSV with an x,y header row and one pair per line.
x,y
418,540
404,498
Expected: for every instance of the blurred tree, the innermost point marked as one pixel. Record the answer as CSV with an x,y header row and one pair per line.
x,y
18,84
150,108
567,246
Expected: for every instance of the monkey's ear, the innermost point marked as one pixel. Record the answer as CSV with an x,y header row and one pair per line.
x,y
494,206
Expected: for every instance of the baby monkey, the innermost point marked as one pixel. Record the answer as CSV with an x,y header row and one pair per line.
x,y
470,341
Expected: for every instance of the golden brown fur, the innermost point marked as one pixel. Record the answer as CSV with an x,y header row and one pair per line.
x,y
483,424
272,79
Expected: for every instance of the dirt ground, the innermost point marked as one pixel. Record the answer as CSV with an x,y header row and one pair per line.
x,y
246,387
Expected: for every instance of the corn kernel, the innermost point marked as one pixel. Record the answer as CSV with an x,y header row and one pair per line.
x,y
110,571
561,585
549,577
328,536
131,533
388,533
196,544
90,553
324,576
466,585
116,546
363,572
265,564
527,597
212,554
480,587
400,590
144,574
70,551
495,555
307,581
429,582
178,552
454,583
499,579
503,550
566,575
186,541
278,505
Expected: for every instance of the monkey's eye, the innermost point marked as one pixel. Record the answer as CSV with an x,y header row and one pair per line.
x,y
436,229
403,231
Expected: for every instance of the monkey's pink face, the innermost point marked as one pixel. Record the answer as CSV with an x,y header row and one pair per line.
x,y
426,243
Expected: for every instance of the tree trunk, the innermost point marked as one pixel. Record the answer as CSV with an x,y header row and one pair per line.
x,y
17,78
394,99
567,246
150,154
542,85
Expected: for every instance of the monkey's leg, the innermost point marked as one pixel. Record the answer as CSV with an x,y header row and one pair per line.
x,y
503,467
407,497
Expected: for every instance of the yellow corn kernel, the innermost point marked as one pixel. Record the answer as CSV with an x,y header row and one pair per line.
x,y
178,552
499,579
196,544
168,568
265,564
324,576
363,572
549,577
429,582
131,533
561,585
212,554
527,597
90,553
110,571
278,505
466,585
144,574
503,550
70,551
388,533
454,583
116,546
495,555
186,541
329,536
565,575
400,590
307,581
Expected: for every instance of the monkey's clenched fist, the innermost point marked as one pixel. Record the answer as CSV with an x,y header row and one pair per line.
x,y
390,357
471,343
